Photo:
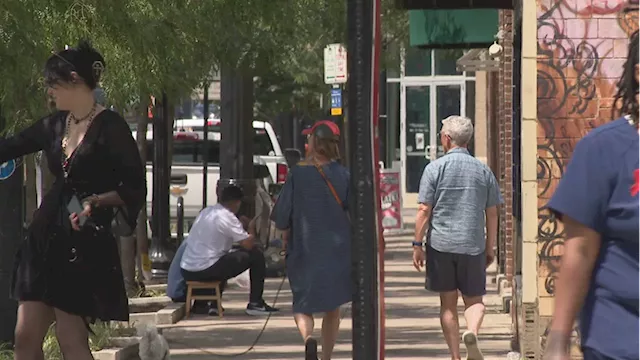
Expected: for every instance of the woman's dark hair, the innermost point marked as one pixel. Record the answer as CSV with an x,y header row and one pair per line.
x,y
628,84
231,193
83,59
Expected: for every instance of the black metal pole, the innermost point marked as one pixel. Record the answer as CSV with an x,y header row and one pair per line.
x,y
11,232
159,252
205,145
365,308
236,134
180,219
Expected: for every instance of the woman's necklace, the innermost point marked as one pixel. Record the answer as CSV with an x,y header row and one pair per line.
x,y
88,116
66,160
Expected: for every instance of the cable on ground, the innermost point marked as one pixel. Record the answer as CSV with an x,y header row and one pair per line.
x,y
257,339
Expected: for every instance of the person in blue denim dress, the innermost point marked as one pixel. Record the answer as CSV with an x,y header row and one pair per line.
x,y
312,208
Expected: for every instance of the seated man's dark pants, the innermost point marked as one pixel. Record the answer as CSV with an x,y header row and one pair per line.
x,y
232,265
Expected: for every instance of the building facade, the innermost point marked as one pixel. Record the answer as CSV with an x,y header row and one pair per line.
x,y
556,81
426,89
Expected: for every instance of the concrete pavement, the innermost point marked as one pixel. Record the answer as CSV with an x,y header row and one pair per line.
x,y
412,322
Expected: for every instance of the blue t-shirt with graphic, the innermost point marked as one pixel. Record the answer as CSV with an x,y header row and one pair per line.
x,y
600,190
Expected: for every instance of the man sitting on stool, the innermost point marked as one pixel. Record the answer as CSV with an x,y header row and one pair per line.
x,y
209,255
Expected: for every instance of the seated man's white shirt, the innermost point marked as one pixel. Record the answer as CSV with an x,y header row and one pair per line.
x,y
212,236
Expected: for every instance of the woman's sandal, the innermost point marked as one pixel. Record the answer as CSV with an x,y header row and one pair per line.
x,y
311,349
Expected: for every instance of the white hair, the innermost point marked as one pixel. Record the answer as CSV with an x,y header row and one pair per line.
x,y
459,129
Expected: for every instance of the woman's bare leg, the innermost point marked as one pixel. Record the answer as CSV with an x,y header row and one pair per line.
x,y
34,319
305,325
330,329
73,336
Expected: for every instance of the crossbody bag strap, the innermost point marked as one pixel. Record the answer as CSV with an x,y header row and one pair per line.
x,y
330,185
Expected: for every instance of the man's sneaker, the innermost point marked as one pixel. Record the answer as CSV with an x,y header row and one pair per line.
x,y
470,340
260,309
213,309
200,307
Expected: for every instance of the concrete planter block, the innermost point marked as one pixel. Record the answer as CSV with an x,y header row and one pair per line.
x,y
156,287
147,318
168,315
127,352
150,304
171,314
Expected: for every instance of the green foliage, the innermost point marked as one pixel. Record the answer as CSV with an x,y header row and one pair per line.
x,y
99,340
164,45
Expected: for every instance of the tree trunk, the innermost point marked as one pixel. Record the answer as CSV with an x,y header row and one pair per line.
x,y
128,262
142,235
30,187
170,123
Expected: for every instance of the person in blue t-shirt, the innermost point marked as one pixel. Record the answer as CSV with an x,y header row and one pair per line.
x,y
597,200
176,285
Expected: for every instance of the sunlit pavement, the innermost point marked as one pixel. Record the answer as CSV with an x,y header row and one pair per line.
x,y
412,322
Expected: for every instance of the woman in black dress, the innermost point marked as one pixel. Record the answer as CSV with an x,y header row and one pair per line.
x,y
64,271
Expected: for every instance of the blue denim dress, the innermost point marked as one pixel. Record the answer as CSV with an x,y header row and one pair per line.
x,y
319,249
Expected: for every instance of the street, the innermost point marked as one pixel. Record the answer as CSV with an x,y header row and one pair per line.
x,y
412,322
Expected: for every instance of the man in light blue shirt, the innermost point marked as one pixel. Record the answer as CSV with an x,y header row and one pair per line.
x,y
459,197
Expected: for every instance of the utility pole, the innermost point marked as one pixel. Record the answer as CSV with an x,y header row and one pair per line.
x,y
363,19
11,232
160,252
236,134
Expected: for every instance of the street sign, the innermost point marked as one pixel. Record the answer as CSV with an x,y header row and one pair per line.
x,y
335,64
336,101
7,169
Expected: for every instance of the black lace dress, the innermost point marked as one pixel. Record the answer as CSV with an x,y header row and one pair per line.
x,y
78,271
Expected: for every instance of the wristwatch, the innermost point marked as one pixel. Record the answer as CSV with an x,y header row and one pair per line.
x,y
416,243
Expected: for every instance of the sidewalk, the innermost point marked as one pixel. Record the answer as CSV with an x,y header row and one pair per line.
x,y
412,322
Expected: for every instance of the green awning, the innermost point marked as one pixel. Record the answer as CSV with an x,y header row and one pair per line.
x,y
453,28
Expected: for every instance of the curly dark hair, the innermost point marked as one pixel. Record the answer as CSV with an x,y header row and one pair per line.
x,y
628,84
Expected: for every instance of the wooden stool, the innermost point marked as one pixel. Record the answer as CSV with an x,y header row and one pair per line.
x,y
194,285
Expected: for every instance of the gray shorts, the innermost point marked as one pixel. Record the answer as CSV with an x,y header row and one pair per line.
x,y
451,272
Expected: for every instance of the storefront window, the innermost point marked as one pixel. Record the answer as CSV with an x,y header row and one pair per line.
x,y
445,61
418,62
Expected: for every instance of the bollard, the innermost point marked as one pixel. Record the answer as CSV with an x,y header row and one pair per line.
x,y
180,219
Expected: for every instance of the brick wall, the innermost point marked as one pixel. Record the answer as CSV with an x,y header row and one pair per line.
x,y
581,48
505,160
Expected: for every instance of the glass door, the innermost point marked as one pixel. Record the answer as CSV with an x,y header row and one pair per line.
x,y
423,107
416,137
449,100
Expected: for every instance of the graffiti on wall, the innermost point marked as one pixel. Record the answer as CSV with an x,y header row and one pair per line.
x,y
582,46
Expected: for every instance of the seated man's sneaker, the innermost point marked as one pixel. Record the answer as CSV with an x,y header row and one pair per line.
x,y
260,309
213,309
200,307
